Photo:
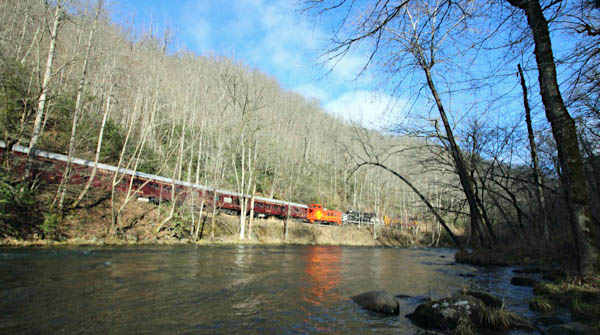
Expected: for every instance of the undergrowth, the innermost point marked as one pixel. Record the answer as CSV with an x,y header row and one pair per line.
x,y
17,202
582,298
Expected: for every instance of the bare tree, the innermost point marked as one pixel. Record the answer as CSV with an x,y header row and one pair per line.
x,y
585,231
42,100
78,105
413,32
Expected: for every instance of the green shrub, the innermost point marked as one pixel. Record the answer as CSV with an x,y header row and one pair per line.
x,y
49,225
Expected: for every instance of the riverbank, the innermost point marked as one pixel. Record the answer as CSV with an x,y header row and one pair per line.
x,y
265,232
557,284
91,225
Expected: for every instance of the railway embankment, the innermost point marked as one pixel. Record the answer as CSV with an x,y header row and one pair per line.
x,y
91,225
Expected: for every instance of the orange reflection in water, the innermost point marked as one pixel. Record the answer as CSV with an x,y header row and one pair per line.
x,y
323,271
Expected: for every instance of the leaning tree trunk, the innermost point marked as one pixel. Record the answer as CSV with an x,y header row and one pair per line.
x,y
537,175
98,149
459,162
585,232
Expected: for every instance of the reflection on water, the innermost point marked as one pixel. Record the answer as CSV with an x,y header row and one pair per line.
x,y
323,270
226,289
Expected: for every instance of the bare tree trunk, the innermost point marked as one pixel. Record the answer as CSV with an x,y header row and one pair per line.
x,y
176,176
585,231
41,109
78,107
197,230
458,160
287,222
98,149
214,215
251,217
424,199
537,176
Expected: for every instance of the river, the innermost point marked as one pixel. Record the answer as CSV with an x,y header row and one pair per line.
x,y
227,289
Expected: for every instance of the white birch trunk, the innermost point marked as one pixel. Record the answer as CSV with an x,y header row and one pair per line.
x,y
41,108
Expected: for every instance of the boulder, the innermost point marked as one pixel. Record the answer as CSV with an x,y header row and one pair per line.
x,y
447,313
523,281
488,299
467,312
379,302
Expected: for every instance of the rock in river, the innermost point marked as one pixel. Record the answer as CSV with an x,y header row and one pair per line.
x,y
523,281
466,311
379,302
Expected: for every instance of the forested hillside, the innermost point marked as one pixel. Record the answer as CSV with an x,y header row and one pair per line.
x,y
76,83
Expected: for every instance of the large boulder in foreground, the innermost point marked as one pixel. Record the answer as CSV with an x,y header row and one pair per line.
x,y
379,302
462,312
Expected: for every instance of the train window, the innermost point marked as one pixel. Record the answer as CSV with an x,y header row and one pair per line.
x,y
227,200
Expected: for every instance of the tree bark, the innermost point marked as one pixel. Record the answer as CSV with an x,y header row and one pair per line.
x,y
459,162
41,108
537,176
585,232
78,107
98,149
424,199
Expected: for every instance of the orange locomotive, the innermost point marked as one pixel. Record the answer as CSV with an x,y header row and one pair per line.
x,y
316,213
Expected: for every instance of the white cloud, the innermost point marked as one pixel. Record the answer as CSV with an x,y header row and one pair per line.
x,y
271,36
369,108
202,32
312,91
348,67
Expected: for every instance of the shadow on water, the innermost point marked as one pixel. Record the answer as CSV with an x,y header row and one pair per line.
x,y
228,289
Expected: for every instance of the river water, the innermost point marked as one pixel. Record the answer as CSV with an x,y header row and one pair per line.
x,y
228,289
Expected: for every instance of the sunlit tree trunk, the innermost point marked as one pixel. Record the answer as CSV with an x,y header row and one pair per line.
x,y
41,107
78,106
98,150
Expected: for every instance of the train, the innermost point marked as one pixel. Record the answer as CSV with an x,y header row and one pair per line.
x,y
50,166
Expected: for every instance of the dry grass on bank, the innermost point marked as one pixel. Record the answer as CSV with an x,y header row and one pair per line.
x,y
90,224
581,297
559,252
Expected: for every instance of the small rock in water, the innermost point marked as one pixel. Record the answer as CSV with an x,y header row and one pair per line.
x,y
527,270
523,281
378,301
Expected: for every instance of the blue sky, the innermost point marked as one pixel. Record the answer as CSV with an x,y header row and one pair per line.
x,y
272,36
